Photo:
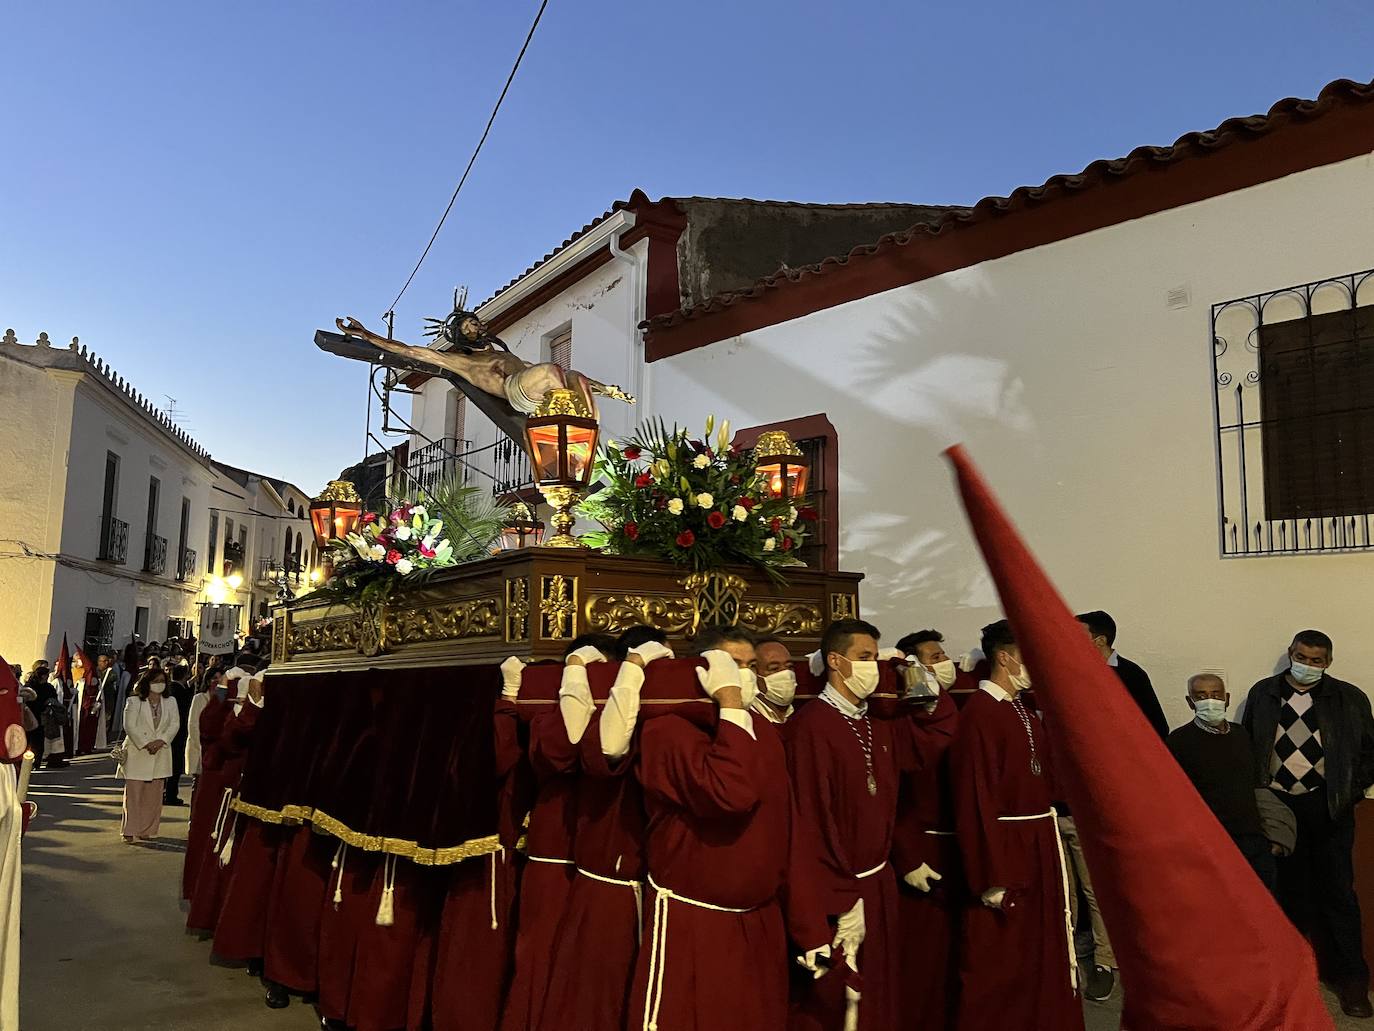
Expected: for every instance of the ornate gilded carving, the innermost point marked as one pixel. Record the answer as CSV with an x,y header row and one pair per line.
x,y
612,613
476,617
325,635
279,641
842,606
518,608
557,607
782,617
715,597
372,632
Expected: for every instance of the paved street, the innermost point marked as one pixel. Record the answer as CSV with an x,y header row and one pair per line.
x,y
105,946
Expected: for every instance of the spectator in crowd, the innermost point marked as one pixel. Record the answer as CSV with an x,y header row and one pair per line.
x,y
178,692
151,724
1312,742
37,692
107,688
206,688
1102,629
1215,754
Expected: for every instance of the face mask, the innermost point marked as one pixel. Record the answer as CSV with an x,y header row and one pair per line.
x,y
157,688
863,678
780,687
1304,674
748,687
1021,681
1210,710
945,672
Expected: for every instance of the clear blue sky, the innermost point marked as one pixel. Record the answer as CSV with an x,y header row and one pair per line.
x,y
194,188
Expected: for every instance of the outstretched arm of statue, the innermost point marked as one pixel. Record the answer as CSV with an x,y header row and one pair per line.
x,y
486,371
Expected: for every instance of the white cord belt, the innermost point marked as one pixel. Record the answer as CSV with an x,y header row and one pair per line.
x,y
549,859
658,949
940,834
870,873
1053,817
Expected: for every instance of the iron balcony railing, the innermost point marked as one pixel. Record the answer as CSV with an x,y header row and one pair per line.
x,y
270,571
186,568
510,468
155,555
436,463
114,542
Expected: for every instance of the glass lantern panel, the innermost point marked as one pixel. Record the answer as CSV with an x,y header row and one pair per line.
x,y
544,451
581,446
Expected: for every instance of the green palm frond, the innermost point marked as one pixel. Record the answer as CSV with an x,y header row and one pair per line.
x,y
472,518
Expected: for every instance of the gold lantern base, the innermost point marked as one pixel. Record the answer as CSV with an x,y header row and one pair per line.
x,y
561,500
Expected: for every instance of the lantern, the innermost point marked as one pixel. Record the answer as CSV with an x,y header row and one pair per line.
x,y
781,466
561,438
334,515
521,528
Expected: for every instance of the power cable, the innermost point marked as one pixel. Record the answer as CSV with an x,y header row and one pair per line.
x,y
471,161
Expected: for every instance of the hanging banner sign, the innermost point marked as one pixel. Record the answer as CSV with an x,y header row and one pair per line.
x,y
218,626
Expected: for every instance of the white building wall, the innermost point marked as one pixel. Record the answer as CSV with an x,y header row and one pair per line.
x,y
1088,403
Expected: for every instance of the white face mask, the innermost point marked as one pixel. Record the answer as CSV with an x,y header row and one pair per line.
x,y
945,672
1022,680
863,678
780,687
1210,710
157,688
748,686
1305,674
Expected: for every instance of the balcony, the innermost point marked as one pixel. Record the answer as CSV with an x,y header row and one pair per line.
x,y
510,469
114,541
155,555
434,464
186,568
270,572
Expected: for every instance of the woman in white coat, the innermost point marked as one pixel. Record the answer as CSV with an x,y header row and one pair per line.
x,y
150,723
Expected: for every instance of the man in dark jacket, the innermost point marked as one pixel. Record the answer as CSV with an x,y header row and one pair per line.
x,y
1313,742
1102,629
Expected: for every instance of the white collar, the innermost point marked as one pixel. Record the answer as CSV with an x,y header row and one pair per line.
x,y
839,701
995,690
765,710
1113,659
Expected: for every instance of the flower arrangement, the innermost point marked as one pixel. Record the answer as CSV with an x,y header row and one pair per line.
x,y
693,502
406,543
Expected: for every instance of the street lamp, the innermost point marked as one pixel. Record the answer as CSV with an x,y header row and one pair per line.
x,y
333,516
781,466
561,438
521,528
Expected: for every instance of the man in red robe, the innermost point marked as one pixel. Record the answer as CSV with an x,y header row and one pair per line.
x,y
208,807
718,801
549,871
604,914
925,854
842,892
777,682
1017,966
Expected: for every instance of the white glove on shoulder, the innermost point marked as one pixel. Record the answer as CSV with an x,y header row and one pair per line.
x,y
585,655
511,671
811,960
621,711
922,878
721,671
970,659
748,687
815,662
992,898
652,650
575,701
890,653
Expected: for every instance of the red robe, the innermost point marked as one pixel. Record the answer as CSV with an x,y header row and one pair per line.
x,y
924,833
605,906
549,869
1014,963
472,949
719,806
208,805
213,877
294,908
842,837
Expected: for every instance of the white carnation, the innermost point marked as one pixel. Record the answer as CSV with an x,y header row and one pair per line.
x,y
701,461
740,513
404,566
791,515
403,533
705,500
675,506
378,553
769,544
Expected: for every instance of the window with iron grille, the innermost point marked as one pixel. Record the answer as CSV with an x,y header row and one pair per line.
x,y
99,634
560,348
1294,375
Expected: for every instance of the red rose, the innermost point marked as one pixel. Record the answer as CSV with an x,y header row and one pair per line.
x,y
643,480
393,556
787,544
808,515
735,478
369,517
775,524
686,539
631,530
747,503
715,520
631,454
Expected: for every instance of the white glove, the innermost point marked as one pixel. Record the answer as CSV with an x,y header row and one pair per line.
x,y
849,933
992,898
621,712
720,671
575,701
810,960
890,653
748,686
587,654
922,878
651,650
815,662
970,659
511,671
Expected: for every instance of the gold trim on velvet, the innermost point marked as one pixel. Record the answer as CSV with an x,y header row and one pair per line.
x,y
326,824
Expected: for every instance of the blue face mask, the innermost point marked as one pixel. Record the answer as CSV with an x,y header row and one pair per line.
x,y
1304,674
1210,710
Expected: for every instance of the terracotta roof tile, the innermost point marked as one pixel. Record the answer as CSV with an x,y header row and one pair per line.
x,y
1141,159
